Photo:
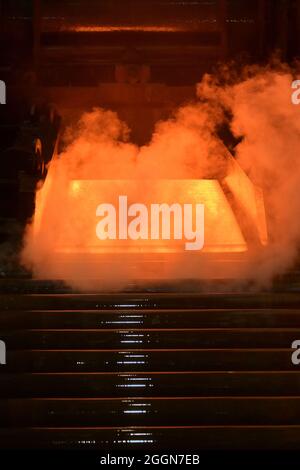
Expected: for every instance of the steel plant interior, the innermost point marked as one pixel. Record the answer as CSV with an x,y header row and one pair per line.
x,y
164,364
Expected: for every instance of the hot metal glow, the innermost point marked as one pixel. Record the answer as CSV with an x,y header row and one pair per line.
x,y
79,229
124,28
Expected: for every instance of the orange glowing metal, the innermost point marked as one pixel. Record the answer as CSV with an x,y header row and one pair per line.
x,y
249,199
66,220
77,232
125,28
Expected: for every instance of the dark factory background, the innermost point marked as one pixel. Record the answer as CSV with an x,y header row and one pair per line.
x,y
40,40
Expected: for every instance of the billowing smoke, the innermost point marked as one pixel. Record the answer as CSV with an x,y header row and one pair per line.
x,y
256,105
264,116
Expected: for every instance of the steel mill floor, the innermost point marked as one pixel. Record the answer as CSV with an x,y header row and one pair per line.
x,y
146,370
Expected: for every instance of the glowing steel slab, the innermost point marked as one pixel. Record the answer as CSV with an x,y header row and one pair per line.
x,y
77,230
